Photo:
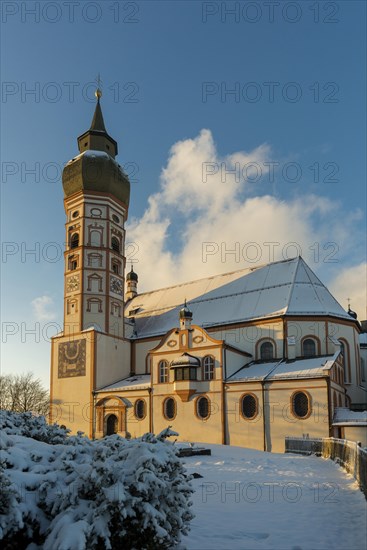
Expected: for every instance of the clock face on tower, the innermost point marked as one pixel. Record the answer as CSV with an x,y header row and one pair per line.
x,y
72,283
116,286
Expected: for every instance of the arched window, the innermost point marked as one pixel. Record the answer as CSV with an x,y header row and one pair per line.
x,y
169,408
203,408
208,364
308,347
163,372
301,404
74,240
249,406
267,351
112,425
140,409
344,351
115,244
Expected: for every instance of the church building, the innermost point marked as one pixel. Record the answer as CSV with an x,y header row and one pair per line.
x,y
245,358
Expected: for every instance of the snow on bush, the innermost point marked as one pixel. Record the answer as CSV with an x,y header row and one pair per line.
x,y
70,493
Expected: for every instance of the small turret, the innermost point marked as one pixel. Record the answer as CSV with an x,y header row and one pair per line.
x,y
185,317
131,284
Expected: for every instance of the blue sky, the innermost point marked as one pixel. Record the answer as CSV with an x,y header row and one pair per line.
x,y
297,104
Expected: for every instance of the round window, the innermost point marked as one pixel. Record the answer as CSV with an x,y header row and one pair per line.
x,y
76,214
115,218
202,407
301,404
140,409
170,408
249,406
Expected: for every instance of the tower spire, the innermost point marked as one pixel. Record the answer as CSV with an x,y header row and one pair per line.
x,y
97,137
98,122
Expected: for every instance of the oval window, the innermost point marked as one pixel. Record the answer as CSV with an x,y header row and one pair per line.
x,y
76,214
96,213
301,404
140,409
115,218
249,406
202,408
169,408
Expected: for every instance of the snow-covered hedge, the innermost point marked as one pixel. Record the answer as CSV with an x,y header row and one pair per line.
x,y
71,493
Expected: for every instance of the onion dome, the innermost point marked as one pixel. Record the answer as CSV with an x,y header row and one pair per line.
x,y
186,360
352,313
185,313
95,168
132,276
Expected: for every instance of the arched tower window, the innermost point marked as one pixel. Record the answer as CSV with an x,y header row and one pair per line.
x,y
74,240
308,347
267,351
115,244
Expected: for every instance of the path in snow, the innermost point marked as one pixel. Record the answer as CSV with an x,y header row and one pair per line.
x,y
266,501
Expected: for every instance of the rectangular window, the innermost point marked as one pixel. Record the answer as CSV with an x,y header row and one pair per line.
x,y
163,372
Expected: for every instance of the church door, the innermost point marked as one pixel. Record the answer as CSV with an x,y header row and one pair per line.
x,y
112,425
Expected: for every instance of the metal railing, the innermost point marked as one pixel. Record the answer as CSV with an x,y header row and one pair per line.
x,y
346,453
303,445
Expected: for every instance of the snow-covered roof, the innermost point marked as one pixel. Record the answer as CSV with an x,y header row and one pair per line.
x,y
136,382
313,367
186,359
343,417
288,287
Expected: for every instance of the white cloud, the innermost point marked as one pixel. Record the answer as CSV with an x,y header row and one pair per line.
x,y
43,308
351,283
209,211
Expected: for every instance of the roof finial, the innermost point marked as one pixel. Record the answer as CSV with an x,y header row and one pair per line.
x,y
98,92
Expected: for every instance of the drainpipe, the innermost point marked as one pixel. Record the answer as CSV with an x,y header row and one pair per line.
x,y
150,410
263,382
94,415
264,420
224,378
329,406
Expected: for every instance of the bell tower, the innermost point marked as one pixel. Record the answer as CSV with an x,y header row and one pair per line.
x,y
92,350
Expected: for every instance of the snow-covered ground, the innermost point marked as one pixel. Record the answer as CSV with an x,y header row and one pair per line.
x,y
247,499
